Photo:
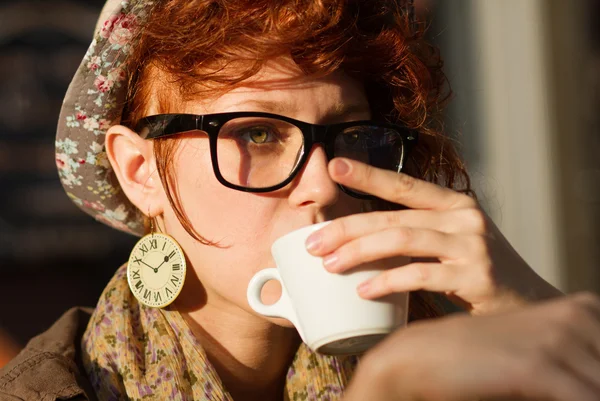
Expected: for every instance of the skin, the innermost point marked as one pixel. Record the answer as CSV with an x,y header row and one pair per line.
x,y
252,353
548,351
476,267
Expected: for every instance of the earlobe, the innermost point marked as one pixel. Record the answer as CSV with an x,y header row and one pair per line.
x,y
132,159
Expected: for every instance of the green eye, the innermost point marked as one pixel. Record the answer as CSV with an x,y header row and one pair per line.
x,y
259,136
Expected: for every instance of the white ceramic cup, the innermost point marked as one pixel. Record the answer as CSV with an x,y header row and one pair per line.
x,y
326,309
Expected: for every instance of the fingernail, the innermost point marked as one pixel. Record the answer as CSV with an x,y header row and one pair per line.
x,y
313,242
330,261
364,287
341,167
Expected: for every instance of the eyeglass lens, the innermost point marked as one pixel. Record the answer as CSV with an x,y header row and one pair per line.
x,y
261,152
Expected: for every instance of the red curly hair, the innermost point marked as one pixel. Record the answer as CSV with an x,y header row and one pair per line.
x,y
196,42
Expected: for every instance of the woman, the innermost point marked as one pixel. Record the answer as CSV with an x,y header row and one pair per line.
x,y
225,186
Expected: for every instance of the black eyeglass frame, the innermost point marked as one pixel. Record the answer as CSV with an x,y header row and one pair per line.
x,y
162,125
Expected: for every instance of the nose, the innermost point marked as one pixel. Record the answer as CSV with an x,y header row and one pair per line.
x,y
313,187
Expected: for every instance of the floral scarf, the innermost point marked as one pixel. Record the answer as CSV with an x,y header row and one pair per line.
x,y
134,352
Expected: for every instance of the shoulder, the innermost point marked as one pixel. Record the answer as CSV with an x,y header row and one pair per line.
x,y
49,366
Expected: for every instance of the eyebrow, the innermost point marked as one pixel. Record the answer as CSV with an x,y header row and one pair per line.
x,y
282,107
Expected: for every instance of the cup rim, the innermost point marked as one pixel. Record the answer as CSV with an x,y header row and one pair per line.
x,y
315,227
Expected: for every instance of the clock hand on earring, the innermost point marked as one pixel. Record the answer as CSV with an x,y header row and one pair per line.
x,y
166,259
156,290
155,269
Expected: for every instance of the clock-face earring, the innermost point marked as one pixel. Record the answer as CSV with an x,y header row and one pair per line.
x,y
156,269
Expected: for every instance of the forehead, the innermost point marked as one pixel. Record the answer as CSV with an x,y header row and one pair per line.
x,y
281,87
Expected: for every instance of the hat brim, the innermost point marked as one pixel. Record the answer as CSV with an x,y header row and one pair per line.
x,y
93,103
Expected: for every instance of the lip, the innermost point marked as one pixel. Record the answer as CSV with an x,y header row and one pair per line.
x,y
316,221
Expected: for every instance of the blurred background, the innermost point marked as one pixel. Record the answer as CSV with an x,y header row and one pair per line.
x,y
526,113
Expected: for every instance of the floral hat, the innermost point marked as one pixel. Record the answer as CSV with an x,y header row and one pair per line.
x,y
93,103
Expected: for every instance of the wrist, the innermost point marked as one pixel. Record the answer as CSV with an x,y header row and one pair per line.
x,y
531,289
540,290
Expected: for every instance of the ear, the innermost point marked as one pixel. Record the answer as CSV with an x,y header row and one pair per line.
x,y
132,159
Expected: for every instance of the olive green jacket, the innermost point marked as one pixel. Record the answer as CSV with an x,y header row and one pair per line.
x,y
50,368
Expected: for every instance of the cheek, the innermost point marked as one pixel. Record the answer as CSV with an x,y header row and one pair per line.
x,y
240,222
244,224
217,212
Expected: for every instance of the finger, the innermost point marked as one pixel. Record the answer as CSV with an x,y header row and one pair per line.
x,y
555,383
349,228
434,277
579,312
396,187
587,319
585,363
395,242
537,379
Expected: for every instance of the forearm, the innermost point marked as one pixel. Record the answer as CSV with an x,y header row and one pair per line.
x,y
363,387
371,382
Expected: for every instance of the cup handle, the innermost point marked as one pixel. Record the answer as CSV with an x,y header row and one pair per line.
x,y
282,308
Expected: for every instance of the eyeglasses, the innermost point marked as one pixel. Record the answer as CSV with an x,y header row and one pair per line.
x,y
263,152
